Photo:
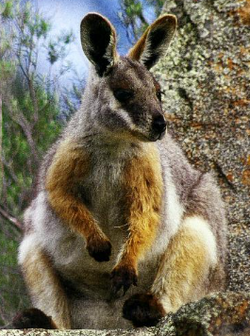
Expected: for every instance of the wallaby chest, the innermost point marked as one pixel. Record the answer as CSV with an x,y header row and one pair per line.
x,y
102,190
105,188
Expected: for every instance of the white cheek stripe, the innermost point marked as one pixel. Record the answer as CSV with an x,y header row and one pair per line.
x,y
125,116
116,108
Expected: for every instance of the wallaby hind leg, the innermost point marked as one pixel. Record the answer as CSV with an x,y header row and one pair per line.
x,y
183,274
185,269
44,285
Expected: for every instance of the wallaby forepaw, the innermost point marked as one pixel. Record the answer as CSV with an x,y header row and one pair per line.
x,y
143,310
122,277
100,250
33,318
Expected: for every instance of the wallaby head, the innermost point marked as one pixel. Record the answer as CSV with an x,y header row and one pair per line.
x,y
127,98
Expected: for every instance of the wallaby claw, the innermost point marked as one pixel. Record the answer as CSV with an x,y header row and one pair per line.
x,y
122,278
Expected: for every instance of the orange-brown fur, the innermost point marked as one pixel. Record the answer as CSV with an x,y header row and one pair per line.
x,y
143,196
186,258
138,49
66,172
142,184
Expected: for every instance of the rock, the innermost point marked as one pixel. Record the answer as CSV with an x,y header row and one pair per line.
x,y
216,315
205,78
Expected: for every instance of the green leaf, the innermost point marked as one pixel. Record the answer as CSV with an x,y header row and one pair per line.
x,y
8,10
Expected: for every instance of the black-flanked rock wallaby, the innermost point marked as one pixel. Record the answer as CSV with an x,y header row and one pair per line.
x,y
122,229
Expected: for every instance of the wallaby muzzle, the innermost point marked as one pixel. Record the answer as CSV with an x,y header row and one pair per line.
x,y
159,126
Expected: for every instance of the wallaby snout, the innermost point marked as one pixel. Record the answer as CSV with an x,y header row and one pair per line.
x,y
159,125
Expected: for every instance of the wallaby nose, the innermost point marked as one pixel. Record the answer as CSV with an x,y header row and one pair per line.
x,y
159,124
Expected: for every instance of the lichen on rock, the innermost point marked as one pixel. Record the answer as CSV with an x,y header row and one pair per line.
x,y
205,77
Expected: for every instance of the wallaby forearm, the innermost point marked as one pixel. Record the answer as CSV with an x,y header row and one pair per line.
x,y
143,189
143,196
63,178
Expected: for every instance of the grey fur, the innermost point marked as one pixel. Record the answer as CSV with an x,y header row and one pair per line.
x,y
107,131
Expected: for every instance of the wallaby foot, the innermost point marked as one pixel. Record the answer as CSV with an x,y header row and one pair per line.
x,y
123,277
33,318
143,310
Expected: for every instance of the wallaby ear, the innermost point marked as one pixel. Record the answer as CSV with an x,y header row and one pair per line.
x,y
155,41
98,38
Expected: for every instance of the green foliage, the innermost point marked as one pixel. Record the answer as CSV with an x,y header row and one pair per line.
x,y
7,12
30,103
6,69
157,5
20,152
57,48
32,119
134,15
12,293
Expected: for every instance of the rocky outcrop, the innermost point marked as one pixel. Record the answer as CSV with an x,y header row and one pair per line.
x,y
222,314
206,80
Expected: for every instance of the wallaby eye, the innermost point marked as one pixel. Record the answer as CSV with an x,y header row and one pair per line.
x,y
123,95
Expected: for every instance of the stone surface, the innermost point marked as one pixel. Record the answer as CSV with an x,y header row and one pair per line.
x,y
206,80
86,332
219,314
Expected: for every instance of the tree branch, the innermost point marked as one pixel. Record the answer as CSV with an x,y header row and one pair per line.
x,y
11,219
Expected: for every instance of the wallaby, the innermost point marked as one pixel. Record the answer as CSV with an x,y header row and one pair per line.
x,y
122,229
